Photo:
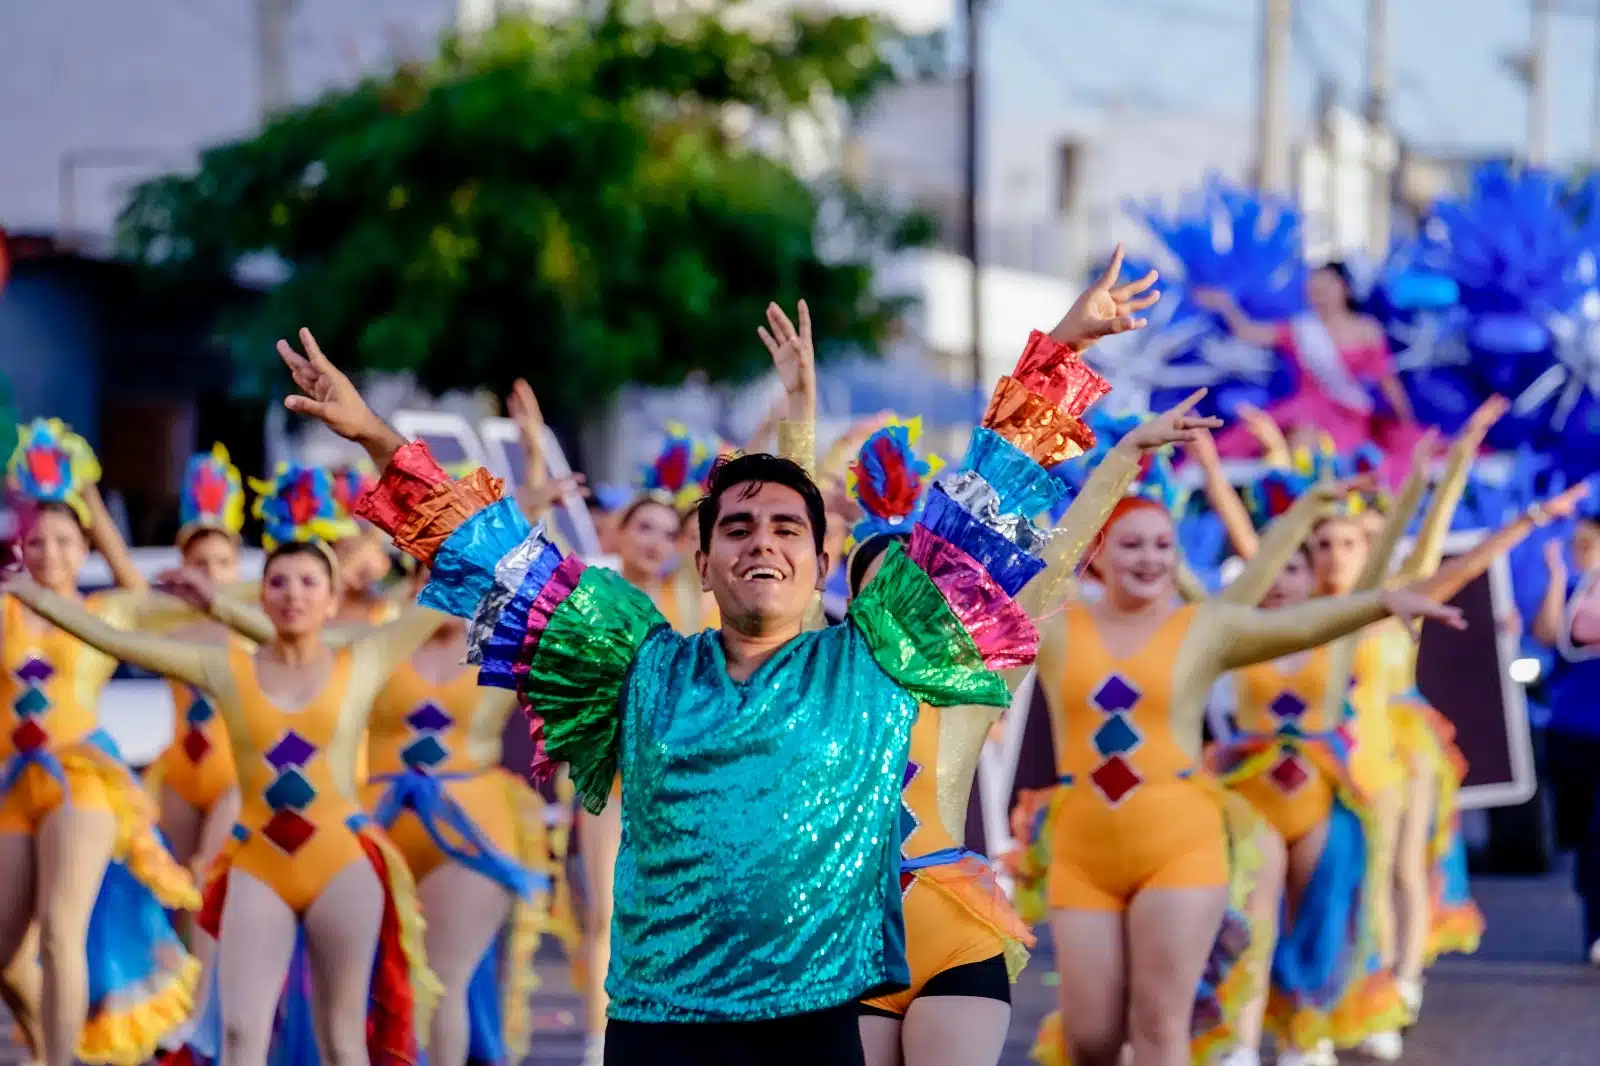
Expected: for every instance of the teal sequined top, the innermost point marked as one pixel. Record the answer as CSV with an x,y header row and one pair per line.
x,y
758,875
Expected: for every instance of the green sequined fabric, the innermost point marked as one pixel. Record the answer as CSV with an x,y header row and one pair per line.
x,y
575,679
918,640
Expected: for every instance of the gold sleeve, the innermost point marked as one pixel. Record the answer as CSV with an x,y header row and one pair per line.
x,y
1274,550
1190,588
1084,519
1428,550
245,619
797,442
194,664
145,610
1381,553
1242,636
389,645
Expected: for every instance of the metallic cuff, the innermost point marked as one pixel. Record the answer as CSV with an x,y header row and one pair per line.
x,y
797,441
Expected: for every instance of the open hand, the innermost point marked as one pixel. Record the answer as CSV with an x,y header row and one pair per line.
x,y
1176,426
1103,310
794,357
1411,605
522,407
1555,560
327,395
1562,505
190,586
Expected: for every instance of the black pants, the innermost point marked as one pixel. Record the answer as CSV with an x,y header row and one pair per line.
x,y
1574,772
829,1037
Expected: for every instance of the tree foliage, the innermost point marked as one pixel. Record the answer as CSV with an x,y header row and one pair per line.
x,y
582,202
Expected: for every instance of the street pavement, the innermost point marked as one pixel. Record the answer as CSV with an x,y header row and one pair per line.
x,y
1523,1000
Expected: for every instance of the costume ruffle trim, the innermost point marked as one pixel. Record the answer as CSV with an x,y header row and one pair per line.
x,y
124,1033
1456,930
137,845
972,886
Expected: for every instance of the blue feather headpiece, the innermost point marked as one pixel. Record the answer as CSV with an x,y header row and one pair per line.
x,y
1158,479
299,504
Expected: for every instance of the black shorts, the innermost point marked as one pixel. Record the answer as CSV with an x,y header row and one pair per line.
x,y
821,1038
985,979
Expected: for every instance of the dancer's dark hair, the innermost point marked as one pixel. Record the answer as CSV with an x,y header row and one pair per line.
x,y
744,475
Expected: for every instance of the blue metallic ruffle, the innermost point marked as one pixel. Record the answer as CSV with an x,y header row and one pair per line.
x,y
463,569
1023,486
1009,566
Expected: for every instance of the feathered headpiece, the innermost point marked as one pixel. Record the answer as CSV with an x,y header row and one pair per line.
x,y
889,480
680,472
350,483
299,504
52,464
213,495
1276,488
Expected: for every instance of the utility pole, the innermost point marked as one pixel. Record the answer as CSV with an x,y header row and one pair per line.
x,y
970,193
1272,154
1538,82
1378,157
273,18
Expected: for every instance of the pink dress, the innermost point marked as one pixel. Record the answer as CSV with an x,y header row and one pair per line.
x,y
1334,396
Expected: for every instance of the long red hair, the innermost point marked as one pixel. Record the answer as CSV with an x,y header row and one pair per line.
x,y
1126,506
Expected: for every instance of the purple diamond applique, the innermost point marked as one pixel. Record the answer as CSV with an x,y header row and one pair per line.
x,y
1115,695
1287,706
429,718
35,671
292,750
912,770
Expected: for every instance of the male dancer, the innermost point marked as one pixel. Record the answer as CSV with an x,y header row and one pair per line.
x,y
757,894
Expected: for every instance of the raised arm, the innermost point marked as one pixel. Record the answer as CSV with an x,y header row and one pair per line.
x,y
1282,538
1241,325
1455,575
1240,636
1380,554
1428,549
1224,498
794,357
107,540
193,664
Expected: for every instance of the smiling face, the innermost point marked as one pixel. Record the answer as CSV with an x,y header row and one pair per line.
x,y
54,548
762,563
1294,583
214,554
1138,557
297,592
646,539
1338,553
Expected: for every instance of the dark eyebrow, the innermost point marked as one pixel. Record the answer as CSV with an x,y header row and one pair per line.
x,y
734,518
790,517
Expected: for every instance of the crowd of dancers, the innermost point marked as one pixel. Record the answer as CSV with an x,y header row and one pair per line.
x,y
330,864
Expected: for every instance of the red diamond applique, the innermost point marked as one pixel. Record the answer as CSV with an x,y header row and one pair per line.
x,y
29,736
1289,775
906,881
289,830
195,745
1115,779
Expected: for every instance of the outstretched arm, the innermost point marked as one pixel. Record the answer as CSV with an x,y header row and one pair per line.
x,y
1428,549
1455,575
176,659
1224,498
1283,538
1380,554
1241,325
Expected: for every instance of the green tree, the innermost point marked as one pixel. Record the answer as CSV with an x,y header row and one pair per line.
x,y
576,201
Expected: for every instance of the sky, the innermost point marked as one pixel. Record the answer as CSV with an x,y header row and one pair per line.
x,y
1450,87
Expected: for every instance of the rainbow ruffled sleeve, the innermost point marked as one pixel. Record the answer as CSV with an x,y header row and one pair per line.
x,y
941,617
558,633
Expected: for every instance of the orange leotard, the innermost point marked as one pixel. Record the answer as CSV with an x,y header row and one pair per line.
x,y
1130,818
1292,789
451,732
198,764
955,913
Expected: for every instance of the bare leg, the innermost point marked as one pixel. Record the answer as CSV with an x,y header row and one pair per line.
x,y
342,927
464,911
1413,895
74,850
880,1040
180,824
1304,855
1094,984
600,836
1263,907
19,940
253,953
1170,935
214,828
955,1031
1386,807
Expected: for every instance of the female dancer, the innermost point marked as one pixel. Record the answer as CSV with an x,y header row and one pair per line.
x,y
304,857
472,835
77,831
194,777
1138,882
1398,761
1343,359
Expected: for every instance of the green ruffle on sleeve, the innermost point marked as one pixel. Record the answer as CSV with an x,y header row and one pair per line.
x,y
577,672
919,642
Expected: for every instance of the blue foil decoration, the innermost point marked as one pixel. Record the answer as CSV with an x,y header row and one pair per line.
x,y
463,569
503,649
1009,566
1023,486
